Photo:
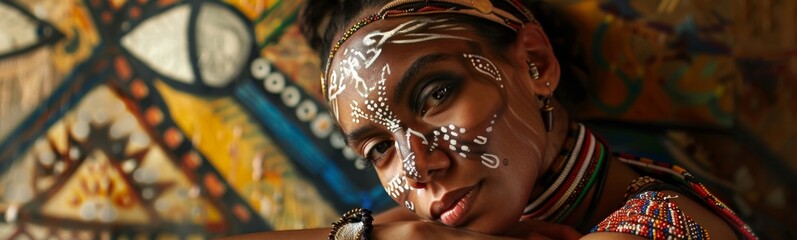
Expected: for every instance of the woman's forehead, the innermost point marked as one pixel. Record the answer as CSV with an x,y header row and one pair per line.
x,y
370,43
367,64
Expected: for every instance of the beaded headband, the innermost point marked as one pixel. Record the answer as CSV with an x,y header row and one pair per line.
x,y
508,13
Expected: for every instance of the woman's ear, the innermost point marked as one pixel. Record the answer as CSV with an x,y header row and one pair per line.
x,y
537,50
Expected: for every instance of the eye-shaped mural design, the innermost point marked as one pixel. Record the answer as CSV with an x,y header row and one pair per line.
x,y
27,75
22,31
221,40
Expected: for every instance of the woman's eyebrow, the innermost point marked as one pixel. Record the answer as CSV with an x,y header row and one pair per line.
x,y
413,70
354,137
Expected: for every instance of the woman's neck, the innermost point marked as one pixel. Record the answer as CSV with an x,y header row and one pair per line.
x,y
578,165
554,142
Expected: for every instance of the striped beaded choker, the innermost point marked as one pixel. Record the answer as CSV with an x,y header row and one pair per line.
x,y
508,13
580,172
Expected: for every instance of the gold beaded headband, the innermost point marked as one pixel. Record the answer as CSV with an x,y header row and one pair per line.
x,y
508,13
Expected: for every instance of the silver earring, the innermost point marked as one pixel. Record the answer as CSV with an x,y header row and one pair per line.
x,y
534,72
546,112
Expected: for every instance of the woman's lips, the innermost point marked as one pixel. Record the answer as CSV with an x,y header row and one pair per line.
x,y
453,206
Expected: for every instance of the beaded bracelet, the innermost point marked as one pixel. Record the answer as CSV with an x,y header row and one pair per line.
x,y
356,224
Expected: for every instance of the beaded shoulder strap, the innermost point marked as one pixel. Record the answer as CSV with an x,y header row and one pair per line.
x,y
652,215
679,175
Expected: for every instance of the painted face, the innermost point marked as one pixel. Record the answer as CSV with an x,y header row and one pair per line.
x,y
450,125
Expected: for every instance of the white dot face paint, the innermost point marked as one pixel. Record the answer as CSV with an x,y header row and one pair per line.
x,y
397,189
409,205
378,111
450,135
408,162
397,186
485,66
352,61
373,103
490,160
355,75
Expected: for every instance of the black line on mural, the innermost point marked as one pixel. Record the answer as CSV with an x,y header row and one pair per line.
x,y
45,32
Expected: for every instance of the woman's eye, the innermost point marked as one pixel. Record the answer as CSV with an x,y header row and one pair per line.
x,y
378,151
436,97
440,94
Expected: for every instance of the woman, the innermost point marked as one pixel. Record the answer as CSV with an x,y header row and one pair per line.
x,y
451,101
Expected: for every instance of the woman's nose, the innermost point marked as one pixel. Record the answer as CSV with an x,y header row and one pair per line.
x,y
419,160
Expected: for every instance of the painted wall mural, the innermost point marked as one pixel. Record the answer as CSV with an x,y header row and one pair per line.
x,y
165,118
193,119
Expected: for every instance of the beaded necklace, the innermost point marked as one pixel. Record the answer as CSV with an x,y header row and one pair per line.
x,y
581,171
649,214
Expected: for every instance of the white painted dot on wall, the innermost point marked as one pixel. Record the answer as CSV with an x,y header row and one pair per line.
x,y
260,68
291,96
349,154
129,165
80,130
361,163
307,110
274,83
337,141
46,157
74,153
322,125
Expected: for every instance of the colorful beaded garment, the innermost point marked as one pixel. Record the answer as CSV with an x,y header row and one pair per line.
x,y
650,214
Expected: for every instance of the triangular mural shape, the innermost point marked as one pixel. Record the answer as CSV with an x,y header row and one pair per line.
x,y
102,168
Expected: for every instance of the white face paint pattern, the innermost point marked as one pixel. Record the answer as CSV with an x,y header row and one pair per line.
x,y
354,60
485,66
450,135
409,205
377,110
397,188
409,161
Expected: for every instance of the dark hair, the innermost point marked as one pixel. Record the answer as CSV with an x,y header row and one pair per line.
x,y
321,20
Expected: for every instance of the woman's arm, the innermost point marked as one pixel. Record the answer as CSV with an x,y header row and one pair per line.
x,y
394,230
535,230
396,214
318,233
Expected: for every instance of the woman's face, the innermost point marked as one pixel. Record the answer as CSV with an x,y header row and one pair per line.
x,y
451,125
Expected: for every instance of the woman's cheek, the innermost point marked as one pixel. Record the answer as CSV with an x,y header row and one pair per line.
x,y
399,189
473,107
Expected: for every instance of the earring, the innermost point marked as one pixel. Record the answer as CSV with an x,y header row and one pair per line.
x,y
533,71
547,110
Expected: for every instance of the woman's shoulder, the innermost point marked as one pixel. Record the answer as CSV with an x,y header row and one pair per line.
x,y
667,201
